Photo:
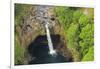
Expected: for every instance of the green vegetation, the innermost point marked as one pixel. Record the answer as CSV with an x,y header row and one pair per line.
x,y
90,55
72,40
64,15
79,31
21,10
19,52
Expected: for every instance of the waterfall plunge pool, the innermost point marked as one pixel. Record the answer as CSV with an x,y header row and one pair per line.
x,y
39,50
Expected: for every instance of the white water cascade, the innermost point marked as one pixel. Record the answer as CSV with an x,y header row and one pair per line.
x,y
50,44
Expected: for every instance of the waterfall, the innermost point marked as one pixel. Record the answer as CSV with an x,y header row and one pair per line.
x,y
50,44
41,11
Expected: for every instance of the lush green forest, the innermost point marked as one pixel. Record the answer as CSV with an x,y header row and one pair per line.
x,y
77,28
79,31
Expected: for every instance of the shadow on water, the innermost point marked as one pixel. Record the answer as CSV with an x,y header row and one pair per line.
x,y
39,51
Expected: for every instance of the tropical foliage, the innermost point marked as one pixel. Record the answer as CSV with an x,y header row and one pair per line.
x,y
79,31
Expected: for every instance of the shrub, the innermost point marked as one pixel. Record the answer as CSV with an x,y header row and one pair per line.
x,y
19,52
